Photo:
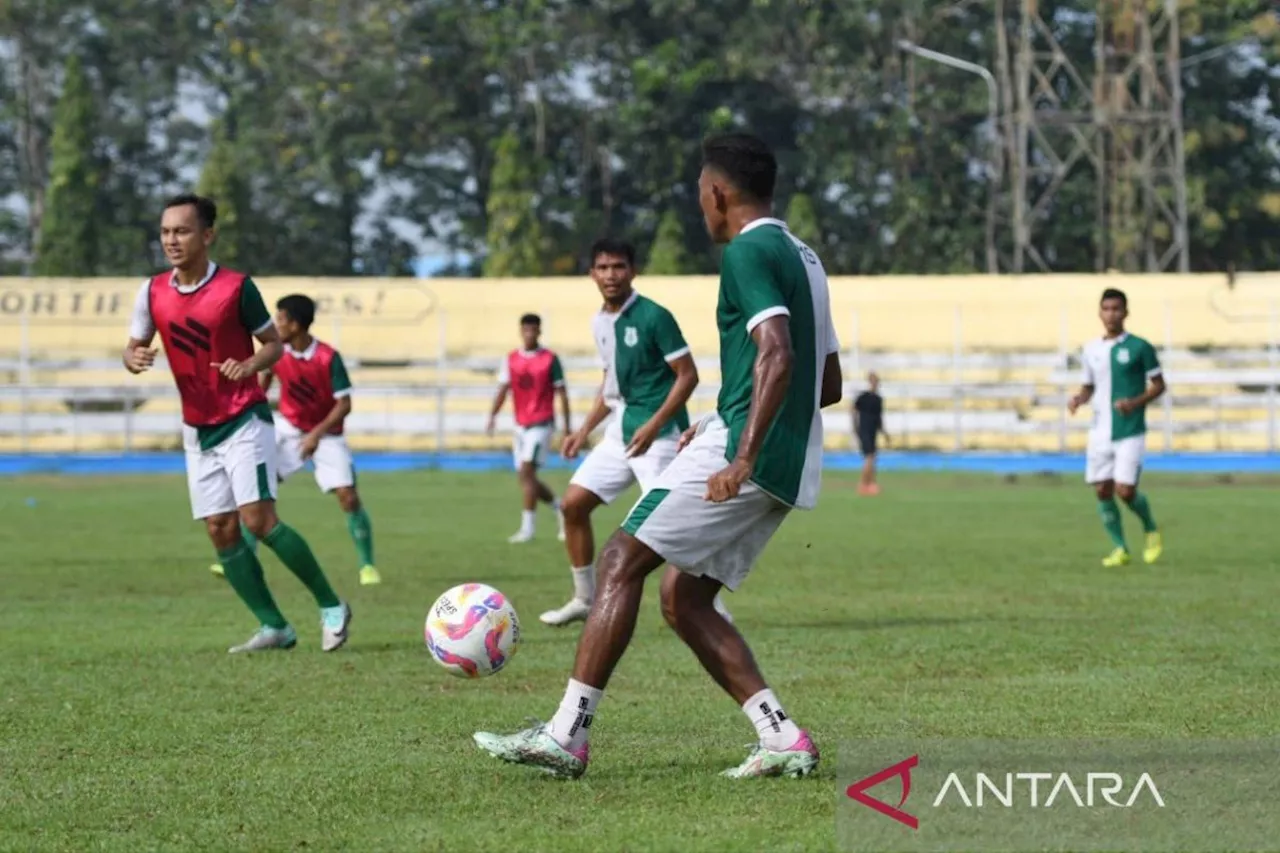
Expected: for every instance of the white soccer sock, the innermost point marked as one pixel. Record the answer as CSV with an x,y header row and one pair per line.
x,y
772,724
527,518
572,722
555,505
584,583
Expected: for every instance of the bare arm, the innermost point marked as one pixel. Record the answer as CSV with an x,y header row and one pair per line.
x,y
341,408
832,381
1154,389
1084,395
562,392
266,379
771,378
270,351
499,398
686,381
599,411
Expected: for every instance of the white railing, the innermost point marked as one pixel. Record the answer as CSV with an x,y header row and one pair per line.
x,y
943,412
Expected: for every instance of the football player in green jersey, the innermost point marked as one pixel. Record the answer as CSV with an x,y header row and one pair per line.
x,y
1121,376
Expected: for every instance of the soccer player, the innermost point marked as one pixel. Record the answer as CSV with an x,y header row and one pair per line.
x,y
648,376
315,399
207,316
535,378
739,474
1122,376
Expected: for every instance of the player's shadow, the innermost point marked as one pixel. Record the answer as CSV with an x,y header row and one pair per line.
x,y
888,623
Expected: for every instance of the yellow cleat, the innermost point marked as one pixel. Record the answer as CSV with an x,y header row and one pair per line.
x,y
1155,547
369,576
1117,558
216,568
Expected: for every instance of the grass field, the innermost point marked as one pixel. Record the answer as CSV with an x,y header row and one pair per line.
x,y
949,606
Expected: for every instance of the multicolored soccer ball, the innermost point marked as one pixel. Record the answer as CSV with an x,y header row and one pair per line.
x,y
472,630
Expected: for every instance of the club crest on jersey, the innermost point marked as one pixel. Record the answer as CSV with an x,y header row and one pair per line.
x,y
1122,356
630,336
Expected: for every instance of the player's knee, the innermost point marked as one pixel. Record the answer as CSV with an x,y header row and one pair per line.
x,y
260,518
577,506
1105,491
224,529
623,561
1126,492
348,499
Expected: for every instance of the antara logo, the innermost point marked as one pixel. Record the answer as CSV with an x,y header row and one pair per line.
x,y
1010,790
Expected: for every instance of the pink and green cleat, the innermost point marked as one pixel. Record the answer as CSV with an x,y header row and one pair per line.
x,y
535,747
800,759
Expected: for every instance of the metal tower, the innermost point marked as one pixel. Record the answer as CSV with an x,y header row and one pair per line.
x,y
1121,119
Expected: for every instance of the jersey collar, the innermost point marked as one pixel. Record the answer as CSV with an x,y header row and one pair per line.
x,y
631,300
192,288
305,354
761,222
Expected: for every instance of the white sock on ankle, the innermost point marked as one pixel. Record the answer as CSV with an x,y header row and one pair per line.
x,y
584,583
572,722
772,724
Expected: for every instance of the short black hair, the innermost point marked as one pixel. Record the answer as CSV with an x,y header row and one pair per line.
x,y
745,160
300,309
530,320
613,246
1113,293
206,209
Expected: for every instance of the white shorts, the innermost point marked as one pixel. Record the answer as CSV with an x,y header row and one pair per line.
x,y
332,460
607,472
239,471
719,540
1120,461
531,444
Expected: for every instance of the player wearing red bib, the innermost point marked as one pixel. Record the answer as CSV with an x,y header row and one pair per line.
x,y
534,378
207,317
315,399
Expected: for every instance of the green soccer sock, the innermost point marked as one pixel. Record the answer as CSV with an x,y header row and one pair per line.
x,y
296,554
249,538
1142,509
1111,521
243,571
361,530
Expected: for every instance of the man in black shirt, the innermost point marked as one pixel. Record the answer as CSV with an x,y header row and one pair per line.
x,y
868,422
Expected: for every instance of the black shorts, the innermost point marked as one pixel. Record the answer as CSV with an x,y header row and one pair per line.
x,y
867,443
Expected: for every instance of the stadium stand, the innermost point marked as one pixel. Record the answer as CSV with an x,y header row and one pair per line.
x,y
968,362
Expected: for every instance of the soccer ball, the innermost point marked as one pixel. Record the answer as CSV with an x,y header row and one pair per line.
x,y
472,630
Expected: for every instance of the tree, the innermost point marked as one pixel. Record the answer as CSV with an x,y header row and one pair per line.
x,y
667,255
69,233
516,239
802,219
221,180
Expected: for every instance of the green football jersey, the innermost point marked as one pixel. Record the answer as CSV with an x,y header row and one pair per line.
x,y
1118,369
637,345
766,272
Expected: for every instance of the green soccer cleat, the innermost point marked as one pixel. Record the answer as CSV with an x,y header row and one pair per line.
x,y
369,576
800,759
535,747
216,568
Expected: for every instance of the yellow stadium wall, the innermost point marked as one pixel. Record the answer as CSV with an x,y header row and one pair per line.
x,y
404,318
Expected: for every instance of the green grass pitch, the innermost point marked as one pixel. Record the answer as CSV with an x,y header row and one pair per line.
x,y
949,606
